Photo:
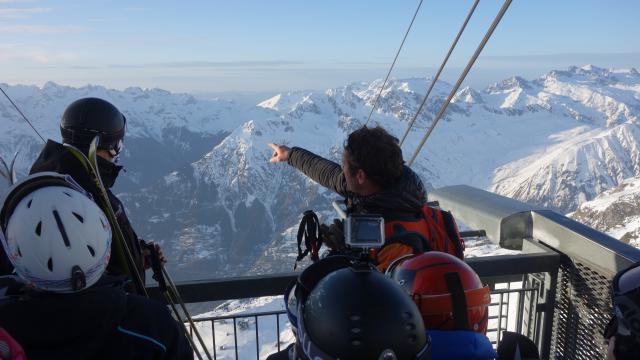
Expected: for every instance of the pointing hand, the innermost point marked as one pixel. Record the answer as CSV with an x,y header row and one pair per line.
x,y
280,153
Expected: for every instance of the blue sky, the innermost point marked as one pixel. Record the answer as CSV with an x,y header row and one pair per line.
x,y
214,46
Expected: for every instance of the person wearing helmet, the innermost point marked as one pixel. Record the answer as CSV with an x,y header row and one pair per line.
x,y
623,331
452,301
60,304
363,325
81,122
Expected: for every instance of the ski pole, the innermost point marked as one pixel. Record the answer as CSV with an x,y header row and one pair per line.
x,y
167,297
176,294
160,275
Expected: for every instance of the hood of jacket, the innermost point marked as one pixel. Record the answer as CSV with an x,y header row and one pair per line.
x,y
55,157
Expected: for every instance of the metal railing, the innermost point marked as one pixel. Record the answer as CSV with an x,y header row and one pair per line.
x,y
500,310
556,292
242,321
516,301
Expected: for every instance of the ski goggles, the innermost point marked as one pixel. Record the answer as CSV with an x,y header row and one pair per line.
x,y
626,304
117,149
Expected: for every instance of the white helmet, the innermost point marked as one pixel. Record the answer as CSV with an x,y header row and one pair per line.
x,y
55,236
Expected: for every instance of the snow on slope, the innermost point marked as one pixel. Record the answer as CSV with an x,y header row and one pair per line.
x,y
246,329
578,163
576,169
615,211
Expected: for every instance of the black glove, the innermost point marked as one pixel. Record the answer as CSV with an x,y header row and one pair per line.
x,y
333,235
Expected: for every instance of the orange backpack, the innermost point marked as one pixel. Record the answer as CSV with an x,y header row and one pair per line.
x,y
435,230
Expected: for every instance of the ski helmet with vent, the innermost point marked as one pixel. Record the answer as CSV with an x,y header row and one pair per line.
x,y
449,294
85,118
55,236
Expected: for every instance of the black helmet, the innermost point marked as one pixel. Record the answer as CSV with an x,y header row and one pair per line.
x,y
88,117
625,324
357,313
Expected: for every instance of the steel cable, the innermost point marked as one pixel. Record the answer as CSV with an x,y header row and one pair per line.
x,y
473,59
442,65
24,117
375,102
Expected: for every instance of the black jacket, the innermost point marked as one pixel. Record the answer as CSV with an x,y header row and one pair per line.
x,y
403,199
54,157
102,322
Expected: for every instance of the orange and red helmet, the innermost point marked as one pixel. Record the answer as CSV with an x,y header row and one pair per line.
x,y
448,292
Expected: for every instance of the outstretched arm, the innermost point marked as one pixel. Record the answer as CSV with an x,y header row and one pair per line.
x,y
325,172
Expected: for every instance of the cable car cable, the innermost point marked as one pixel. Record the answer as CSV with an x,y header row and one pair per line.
x,y
437,76
375,102
473,59
24,117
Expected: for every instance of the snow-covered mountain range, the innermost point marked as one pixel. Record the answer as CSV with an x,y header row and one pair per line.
x,y
200,182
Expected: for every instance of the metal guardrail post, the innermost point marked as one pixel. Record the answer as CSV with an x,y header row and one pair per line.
x,y
255,317
235,337
548,314
213,335
520,316
278,330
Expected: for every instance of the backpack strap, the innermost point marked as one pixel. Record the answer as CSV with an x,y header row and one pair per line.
x,y
454,234
450,238
309,231
401,235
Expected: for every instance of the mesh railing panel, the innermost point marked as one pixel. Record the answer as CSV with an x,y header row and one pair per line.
x,y
583,308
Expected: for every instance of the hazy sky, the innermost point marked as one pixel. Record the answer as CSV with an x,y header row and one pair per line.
x,y
210,46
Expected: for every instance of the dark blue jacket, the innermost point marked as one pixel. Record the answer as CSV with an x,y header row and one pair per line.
x,y
463,345
102,322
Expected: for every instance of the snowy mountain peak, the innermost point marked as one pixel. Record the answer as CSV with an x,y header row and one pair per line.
x,y
271,103
469,96
50,85
593,74
511,84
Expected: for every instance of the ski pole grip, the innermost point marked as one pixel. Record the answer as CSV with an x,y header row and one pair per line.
x,y
156,267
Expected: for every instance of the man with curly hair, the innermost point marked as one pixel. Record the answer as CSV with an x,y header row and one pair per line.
x,y
373,179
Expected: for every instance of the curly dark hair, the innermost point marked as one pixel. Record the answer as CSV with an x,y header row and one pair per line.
x,y
377,153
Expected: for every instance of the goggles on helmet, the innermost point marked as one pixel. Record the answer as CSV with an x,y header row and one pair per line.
x,y
117,149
